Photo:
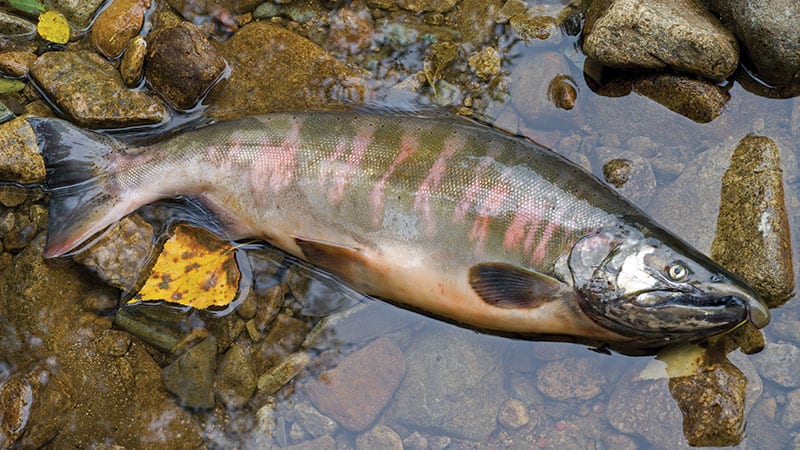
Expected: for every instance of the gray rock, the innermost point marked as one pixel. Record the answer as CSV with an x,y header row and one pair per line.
x,y
272,381
780,363
570,378
418,6
191,376
381,437
11,25
513,414
791,412
312,421
656,34
646,408
752,237
698,188
453,385
90,90
769,30
539,89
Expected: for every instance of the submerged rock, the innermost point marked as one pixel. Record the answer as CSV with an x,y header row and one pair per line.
x,y
90,90
16,63
381,437
453,385
78,13
770,33
359,388
11,25
182,65
753,238
191,376
570,378
695,99
657,34
273,69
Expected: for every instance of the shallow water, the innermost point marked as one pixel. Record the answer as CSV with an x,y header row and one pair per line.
x,y
462,389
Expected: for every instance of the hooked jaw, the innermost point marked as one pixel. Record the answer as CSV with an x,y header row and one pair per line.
x,y
757,311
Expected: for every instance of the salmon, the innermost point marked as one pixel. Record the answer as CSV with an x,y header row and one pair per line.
x,y
440,214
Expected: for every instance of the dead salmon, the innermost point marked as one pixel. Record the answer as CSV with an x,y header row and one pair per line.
x,y
440,214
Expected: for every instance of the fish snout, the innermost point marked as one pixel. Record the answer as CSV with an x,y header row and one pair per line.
x,y
744,297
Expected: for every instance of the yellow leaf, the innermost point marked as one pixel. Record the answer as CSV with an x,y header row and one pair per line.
x,y
194,269
53,26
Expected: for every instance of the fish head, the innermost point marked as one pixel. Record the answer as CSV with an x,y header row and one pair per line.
x,y
651,286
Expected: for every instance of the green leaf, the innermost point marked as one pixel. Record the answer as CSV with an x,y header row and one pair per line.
x,y
27,6
7,86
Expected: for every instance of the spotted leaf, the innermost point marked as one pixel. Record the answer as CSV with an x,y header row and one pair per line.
x,y
195,268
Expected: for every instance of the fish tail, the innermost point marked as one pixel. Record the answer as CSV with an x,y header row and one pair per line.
x,y
80,182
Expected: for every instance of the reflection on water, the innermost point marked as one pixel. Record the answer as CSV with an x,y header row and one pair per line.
x,y
304,362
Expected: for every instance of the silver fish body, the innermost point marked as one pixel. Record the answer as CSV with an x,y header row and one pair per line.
x,y
441,214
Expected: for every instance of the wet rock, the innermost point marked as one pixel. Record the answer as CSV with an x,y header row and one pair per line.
x,y
617,171
780,363
453,385
235,381
132,63
698,189
486,63
273,69
361,323
114,398
696,99
712,401
277,377
90,90
116,25
182,65
20,160
284,337
533,27
418,6
532,93
100,301
351,32
323,443
679,34
570,378
78,14
645,407
415,441
33,406
641,183
770,33
360,386
191,376
120,257
791,412
158,325
312,421
379,437
11,25
513,414
753,238
16,63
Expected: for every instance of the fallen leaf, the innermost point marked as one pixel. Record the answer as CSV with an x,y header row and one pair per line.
x,y
27,6
53,26
195,269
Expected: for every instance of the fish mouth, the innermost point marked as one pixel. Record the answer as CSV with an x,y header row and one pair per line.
x,y
714,303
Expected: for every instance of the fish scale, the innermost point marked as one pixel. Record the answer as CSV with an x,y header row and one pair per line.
x,y
437,213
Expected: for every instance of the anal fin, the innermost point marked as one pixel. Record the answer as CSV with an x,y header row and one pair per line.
x,y
509,287
344,261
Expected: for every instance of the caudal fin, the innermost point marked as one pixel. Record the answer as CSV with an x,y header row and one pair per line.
x,y
83,199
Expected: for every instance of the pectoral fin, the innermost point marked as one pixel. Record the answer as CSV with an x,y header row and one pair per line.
x,y
508,286
344,261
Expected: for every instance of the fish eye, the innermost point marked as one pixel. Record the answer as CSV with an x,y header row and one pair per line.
x,y
677,272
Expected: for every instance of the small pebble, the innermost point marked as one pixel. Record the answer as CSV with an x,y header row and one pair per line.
x,y
513,414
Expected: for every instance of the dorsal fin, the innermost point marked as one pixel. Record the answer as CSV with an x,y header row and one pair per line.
x,y
508,286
